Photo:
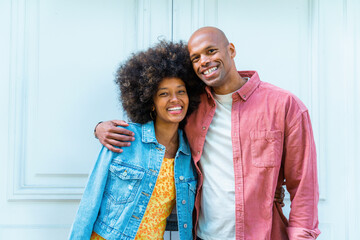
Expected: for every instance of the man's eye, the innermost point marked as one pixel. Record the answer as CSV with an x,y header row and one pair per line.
x,y
211,50
195,59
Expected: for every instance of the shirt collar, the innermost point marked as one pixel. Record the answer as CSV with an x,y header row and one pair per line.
x,y
148,136
247,89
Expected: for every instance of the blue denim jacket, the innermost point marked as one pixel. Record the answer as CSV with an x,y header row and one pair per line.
x,y
120,186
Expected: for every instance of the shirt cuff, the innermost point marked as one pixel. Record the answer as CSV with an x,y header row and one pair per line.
x,y
296,233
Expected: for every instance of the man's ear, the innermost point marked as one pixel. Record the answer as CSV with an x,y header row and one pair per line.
x,y
232,50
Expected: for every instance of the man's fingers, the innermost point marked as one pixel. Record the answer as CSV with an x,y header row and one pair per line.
x,y
113,136
116,131
119,137
112,148
116,143
120,123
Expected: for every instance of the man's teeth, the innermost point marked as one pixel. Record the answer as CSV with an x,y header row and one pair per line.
x,y
174,108
210,70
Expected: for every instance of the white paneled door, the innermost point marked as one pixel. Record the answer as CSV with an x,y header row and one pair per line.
x,y
57,64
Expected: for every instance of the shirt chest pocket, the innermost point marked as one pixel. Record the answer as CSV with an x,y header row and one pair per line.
x,y
266,148
123,183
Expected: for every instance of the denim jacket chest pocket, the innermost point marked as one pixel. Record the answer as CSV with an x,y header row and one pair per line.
x,y
123,182
192,193
266,148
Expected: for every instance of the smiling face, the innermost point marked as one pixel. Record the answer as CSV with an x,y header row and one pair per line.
x,y
212,58
171,101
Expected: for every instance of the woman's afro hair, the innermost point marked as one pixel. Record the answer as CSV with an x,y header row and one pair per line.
x,y
138,78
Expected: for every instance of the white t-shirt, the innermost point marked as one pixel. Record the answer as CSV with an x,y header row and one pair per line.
x,y
217,214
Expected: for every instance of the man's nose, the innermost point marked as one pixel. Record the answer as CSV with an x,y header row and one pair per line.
x,y
204,60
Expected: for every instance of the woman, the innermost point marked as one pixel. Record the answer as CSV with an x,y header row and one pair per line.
x,y
130,195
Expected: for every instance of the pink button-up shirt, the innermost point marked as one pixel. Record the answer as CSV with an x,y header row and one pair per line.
x,y
273,145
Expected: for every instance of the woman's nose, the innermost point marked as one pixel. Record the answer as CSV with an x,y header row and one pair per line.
x,y
174,98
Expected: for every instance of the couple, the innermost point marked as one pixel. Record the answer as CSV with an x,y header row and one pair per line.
x,y
247,139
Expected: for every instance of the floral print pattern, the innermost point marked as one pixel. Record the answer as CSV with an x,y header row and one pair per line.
x,y
161,203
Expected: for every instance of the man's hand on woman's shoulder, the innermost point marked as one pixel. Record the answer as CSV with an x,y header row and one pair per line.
x,y
113,136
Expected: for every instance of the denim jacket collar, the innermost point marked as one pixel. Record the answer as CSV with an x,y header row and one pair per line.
x,y
148,136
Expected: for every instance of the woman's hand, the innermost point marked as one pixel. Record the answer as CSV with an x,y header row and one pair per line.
x,y
112,136
279,196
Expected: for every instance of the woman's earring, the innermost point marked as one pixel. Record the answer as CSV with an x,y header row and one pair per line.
x,y
152,113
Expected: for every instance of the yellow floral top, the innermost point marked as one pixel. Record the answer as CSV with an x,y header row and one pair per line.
x,y
160,205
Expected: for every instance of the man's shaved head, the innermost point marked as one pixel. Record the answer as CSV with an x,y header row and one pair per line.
x,y
212,57
212,31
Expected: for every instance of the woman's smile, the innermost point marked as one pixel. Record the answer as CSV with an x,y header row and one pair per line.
x,y
171,101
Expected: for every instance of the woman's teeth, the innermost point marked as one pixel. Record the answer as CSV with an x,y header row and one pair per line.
x,y
174,109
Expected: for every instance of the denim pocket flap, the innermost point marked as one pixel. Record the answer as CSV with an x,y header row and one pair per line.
x,y
192,186
126,173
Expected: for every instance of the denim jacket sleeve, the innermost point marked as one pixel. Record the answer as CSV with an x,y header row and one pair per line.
x,y
91,200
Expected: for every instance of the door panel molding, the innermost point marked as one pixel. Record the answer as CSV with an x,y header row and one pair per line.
x,y
28,180
24,84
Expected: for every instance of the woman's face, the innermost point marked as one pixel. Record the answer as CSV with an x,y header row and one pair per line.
x,y
171,101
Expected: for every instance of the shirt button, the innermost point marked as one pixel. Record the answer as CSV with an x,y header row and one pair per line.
x,y
183,201
204,128
198,152
181,178
185,225
244,96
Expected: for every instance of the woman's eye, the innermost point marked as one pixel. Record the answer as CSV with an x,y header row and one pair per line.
x,y
163,94
182,91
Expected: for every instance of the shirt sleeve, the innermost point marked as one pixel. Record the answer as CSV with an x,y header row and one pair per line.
x,y
91,200
300,173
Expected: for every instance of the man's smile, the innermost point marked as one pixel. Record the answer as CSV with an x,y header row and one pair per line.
x,y
210,70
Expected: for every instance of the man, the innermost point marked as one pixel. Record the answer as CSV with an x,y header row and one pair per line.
x,y
247,138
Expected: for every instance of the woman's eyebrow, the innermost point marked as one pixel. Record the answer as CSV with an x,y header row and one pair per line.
x,y
164,88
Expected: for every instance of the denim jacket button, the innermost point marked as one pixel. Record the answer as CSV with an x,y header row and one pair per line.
x,y
185,225
181,178
183,201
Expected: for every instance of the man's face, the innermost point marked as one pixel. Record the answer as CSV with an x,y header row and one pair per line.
x,y
211,56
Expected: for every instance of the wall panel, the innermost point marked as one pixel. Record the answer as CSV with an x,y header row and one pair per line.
x,y
351,74
57,67
62,55
50,102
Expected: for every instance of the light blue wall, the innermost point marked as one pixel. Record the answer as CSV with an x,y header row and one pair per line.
x,y
57,64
